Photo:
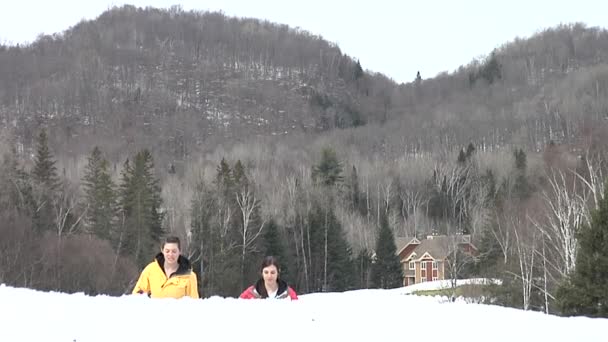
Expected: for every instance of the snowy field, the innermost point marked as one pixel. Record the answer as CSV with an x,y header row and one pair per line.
x,y
362,315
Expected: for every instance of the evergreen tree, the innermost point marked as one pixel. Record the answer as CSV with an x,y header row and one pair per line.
x,y
490,254
238,175
494,197
586,290
331,266
386,267
462,157
521,187
491,70
470,151
418,79
45,171
204,245
225,184
329,170
358,70
354,200
274,244
141,208
521,161
226,266
363,263
340,266
100,196
45,184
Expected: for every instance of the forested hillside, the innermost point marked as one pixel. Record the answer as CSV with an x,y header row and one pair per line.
x,y
247,138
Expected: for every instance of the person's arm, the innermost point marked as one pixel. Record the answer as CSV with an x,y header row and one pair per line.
x,y
143,284
193,286
292,294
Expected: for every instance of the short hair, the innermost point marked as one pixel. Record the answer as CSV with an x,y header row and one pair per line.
x,y
170,239
269,261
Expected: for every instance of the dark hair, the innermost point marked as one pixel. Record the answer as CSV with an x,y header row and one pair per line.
x,y
170,239
269,261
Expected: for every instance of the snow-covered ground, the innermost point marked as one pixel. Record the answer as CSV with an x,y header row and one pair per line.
x,y
362,315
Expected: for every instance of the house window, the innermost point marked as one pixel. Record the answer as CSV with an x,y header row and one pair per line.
x,y
422,280
423,265
435,265
412,265
435,278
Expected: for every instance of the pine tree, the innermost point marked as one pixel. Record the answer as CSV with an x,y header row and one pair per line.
x,y
224,175
354,193
521,188
586,290
490,253
331,265
386,268
273,244
418,79
329,170
141,208
100,196
341,271
45,184
238,175
226,273
462,157
45,171
363,263
204,245
491,70
470,150
358,73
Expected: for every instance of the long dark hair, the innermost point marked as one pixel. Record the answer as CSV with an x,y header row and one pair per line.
x,y
269,261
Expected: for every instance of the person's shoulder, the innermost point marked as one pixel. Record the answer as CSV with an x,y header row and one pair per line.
x,y
248,293
151,266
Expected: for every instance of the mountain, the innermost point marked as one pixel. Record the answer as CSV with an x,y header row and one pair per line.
x,y
550,88
180,80
187,82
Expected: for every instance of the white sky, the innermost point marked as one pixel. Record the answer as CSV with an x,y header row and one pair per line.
x,y
363,315
394,37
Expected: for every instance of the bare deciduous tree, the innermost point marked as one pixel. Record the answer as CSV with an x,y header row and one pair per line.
x,y
566,212
526,251
248,205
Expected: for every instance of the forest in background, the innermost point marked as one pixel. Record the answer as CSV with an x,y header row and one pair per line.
x,y
247,138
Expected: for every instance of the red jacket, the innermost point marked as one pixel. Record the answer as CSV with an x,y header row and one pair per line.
x,y
258,291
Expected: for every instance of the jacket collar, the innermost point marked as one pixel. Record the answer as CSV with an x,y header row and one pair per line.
x,y
184,266
260,289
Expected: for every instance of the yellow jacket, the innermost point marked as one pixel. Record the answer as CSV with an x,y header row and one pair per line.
x,y
155,283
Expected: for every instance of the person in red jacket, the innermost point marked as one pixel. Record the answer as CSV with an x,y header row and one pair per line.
x,y
270,285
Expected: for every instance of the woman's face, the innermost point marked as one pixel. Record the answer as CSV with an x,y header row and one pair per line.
x,y
171,253
270,274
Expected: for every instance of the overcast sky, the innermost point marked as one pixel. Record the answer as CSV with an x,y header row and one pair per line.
x,y
394,37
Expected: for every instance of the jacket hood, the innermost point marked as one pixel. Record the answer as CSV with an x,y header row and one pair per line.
x,y
261,289
184,266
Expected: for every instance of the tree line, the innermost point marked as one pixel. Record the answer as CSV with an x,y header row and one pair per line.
x,y
56,231
334,230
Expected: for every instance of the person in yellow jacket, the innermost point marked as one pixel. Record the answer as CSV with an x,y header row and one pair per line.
x,y
169,275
